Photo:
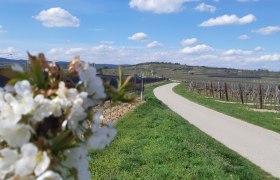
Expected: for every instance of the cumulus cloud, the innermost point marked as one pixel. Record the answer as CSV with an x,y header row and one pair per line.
x,y
158,6
154,44
229,20
107,42
265,58
57,17
237,52
8,51
202,7
189,42
201,55
140,36
267,30
198,49
12,53
243,37
259,48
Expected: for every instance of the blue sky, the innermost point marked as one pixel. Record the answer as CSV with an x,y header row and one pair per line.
x,y
220,33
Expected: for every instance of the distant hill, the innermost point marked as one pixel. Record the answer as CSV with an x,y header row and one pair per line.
x,y
12,60
62,64
186,72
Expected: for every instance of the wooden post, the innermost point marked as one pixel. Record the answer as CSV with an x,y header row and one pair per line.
x,y
260,96
241,93
205,87
142,89
211,89
226,91
220,90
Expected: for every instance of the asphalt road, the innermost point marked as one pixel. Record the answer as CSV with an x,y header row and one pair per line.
x,y
259,145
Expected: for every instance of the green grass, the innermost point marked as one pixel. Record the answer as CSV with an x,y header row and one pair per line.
x,y
266,120
155,143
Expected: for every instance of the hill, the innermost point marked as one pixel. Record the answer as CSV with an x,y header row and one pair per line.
x,y
185,72
4,62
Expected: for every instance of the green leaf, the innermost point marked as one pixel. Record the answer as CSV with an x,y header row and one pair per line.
x,y
37,72
62,142
11,74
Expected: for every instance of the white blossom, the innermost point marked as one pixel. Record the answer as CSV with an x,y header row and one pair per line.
x,y
101,137
15,134
8,159
77,158
21,110
27,162
13,107
77,114
49,175
31,161
98,117
43,162
93,84
17,67
23,88
44,108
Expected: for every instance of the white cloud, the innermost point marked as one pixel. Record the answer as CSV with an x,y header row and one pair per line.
x,y
8,51
267,30
12,53
202,7
198,49
237,52
201,55
265,58
158,6
57,17
259,48
102,48
189,42
229,20
154,44
243,37
140,36
107,42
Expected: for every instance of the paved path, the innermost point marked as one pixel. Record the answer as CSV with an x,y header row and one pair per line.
x,y
257,144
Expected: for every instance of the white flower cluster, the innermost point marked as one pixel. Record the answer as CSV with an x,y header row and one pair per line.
x,y
26,153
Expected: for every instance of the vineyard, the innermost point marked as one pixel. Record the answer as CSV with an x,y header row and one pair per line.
x,y
255,95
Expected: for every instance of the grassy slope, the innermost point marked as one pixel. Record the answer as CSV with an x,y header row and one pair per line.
x,y
155,143
264,119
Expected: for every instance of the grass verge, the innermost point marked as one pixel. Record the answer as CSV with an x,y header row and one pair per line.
x,y
155,143
266,120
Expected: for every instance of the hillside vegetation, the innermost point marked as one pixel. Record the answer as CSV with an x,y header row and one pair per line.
x,y
186,72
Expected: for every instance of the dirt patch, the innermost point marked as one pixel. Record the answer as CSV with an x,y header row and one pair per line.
x,y
226,102
264,110
231,102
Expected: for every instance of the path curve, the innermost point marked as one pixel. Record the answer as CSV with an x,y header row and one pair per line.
x,y
259,145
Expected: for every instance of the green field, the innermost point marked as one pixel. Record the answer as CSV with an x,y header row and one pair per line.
x,y
155,143
267,120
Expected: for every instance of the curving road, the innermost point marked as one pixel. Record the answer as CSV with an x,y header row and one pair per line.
x,y
259,145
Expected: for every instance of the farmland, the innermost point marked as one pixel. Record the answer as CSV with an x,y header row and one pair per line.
x,y
268,120
186,73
